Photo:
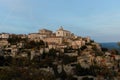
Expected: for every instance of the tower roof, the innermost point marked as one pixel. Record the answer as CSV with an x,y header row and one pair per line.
x,y
61,28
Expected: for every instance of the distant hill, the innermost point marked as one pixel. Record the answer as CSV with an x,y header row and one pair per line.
x,y
110,45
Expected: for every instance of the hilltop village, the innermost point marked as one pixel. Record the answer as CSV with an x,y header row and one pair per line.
x,y
59,55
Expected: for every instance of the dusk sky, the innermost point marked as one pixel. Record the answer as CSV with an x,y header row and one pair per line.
x,y
99,19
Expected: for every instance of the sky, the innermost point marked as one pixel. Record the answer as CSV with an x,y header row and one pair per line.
x,y
99,19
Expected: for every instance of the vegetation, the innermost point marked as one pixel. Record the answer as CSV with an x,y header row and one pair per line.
x,y
67,59
118,43
34,45
25,68
16,39
24,74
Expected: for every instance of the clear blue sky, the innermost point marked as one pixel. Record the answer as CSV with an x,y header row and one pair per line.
x,y
99,19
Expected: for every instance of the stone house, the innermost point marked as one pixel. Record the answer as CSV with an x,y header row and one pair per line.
x,y
63,33
54,40
3,42
4,35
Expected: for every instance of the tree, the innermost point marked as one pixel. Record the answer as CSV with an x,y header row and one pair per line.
x,y
104,49
83,47
2,60
52,52
119,44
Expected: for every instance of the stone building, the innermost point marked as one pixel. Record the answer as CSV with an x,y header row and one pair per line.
x,y
46,32
3,42
54,40
4,35
36,36
63,33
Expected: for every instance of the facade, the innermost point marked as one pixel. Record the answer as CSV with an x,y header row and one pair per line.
x,y
63,33
54,40
36,36
4,35
45,31
51,45
76,44
33,36
3,42
23,36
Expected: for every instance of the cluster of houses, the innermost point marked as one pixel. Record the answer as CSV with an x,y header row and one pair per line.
x,y
60,40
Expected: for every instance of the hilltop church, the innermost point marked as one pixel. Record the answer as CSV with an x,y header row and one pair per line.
x,y
63,33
